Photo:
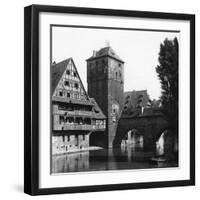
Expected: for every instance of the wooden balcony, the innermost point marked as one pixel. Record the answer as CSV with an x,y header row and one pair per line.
x,y
77,127
84,127
73,113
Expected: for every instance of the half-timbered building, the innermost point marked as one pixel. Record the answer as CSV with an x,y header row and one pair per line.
x,y
75,116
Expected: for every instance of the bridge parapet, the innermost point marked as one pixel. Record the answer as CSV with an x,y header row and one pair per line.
x,y
149,126
139,112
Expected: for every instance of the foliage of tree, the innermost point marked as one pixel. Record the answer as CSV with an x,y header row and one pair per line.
x,y
167,71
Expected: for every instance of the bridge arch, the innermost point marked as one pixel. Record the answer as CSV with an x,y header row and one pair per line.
x,y
132,137
150,127
167,143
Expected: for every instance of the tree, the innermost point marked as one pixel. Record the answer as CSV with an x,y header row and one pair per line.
x,y
168,74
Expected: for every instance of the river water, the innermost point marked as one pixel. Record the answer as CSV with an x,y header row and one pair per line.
x,y
126,157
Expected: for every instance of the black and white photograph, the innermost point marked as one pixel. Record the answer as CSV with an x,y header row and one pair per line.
x,y
99,100
114,98
109,99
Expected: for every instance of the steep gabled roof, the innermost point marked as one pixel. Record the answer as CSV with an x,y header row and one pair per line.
x,y
133,99
106,51
57,71
136,94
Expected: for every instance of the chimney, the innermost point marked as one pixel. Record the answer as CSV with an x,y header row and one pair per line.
x,y
94,53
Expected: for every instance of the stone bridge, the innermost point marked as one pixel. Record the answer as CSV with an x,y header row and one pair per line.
x,y
149,126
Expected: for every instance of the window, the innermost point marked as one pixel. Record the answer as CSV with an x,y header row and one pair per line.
x,y
68,72
68,94
127,101
119,65
76,140
116,74
83,137
66,83
68,138
75,74
61,119
60,93
63,138
76,85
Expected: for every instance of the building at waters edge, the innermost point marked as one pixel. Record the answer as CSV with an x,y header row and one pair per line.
x,y
105,78
99,118
75,116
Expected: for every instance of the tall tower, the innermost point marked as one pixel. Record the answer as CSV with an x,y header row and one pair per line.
x,y
105,78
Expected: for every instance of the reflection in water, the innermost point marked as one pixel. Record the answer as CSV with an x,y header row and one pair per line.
x,y
160,145
70,162
127,157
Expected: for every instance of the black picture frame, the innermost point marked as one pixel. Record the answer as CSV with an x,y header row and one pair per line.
x,y
31,98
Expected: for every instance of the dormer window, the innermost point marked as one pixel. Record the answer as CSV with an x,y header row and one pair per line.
x,y
140,96
96,111
127,101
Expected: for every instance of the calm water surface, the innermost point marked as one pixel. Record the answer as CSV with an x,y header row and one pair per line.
x,y
127,157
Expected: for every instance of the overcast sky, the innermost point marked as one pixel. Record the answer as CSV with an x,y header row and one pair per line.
x,y
138,49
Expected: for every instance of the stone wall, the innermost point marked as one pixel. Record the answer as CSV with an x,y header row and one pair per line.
x,y
67,143
150,127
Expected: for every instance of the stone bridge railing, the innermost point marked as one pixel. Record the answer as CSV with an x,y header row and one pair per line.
x,y
149,126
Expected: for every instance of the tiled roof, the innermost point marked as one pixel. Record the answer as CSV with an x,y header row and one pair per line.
x,y
57,71
98,114
106,51
135,93
133,96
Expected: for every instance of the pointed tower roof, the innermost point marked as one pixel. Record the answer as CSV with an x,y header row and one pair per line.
x,y
106,51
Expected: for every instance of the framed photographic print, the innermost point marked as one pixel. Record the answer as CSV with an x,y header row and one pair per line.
x,y
109,99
